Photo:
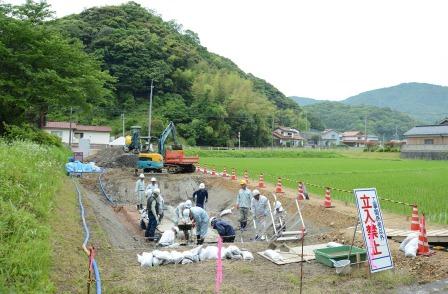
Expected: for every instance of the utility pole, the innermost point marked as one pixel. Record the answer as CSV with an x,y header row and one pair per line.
x,y
70,129
365,130
150,111
239,140
122,118
306,122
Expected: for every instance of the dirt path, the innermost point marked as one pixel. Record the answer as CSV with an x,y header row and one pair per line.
x,y
122,273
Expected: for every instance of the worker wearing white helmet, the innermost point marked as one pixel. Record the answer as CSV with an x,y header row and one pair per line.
x,y
260,211
151,186
140,191
154,214
180,208
243,203
280,216
200,196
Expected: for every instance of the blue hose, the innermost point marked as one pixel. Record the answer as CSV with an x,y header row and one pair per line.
x,y
86,239
103,190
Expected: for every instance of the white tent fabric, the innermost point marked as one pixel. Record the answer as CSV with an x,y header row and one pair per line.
x,y
117,142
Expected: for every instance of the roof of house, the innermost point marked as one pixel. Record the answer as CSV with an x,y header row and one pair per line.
x,y
444,121
287,129
93,128
328,130
74,126
351,133
428,130
59,125
280,136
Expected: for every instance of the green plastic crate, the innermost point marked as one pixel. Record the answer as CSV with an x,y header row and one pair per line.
x,y
338,253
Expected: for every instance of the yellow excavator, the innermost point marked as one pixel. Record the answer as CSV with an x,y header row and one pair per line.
x,y
170,160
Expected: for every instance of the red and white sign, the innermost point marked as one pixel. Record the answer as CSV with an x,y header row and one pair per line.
x,y
373,231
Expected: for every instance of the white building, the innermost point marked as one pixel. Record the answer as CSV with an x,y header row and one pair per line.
x,y
329,138
287,137
97,135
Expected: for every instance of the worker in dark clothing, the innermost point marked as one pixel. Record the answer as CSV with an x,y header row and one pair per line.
x,y
225,230
153,208
201,196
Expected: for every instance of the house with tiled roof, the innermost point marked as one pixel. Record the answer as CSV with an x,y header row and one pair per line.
x,y
427,141
97,135
328,138
287,137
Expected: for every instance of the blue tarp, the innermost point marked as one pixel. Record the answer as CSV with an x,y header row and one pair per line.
x,y
79,167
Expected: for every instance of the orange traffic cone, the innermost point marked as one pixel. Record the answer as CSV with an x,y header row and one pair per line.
x,y
213,172
300,195
261,182
246,177
423,246
224,173
279,187
205,169
327,202
414,220
233,177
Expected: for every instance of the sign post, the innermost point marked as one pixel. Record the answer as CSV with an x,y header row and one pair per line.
x,y
373,231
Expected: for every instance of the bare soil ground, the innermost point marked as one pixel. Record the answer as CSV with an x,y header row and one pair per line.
x,y
118,240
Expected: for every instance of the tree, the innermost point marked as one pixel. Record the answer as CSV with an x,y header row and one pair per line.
x,y
42,69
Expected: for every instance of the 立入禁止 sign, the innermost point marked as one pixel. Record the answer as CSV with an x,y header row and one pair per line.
x,y
372,225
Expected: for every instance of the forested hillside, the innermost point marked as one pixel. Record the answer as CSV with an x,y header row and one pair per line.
x,y
425,102
207,96
341,117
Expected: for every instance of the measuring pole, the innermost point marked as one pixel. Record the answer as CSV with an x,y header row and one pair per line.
x,y
122,117
70,129
150,110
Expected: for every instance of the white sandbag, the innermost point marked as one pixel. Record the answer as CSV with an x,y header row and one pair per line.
x,y
407,240
186,261
273,255
333,244
176,257
167,238
232,250
247,255
237,257
411,248
145,259
226,212
156,261
193,254
164,256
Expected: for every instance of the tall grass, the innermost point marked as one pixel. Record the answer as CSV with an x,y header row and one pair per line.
x,y
29,177
413,181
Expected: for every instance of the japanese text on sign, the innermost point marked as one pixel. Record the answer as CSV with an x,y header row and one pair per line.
x,y
372,224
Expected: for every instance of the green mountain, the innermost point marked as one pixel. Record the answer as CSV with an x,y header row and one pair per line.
x,y
303,101
425,102
342,117
206,95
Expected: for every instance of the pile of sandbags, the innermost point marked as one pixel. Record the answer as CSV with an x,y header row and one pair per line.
x,y
158,257
410,245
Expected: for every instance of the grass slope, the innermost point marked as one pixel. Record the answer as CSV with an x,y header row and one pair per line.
x,y
29,177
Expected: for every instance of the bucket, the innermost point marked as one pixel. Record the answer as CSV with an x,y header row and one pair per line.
x,y
342,266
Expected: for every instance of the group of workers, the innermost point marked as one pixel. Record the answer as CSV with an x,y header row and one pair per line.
x,y
252,201
188,216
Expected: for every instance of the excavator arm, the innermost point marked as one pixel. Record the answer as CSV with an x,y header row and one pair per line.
x,y
170,129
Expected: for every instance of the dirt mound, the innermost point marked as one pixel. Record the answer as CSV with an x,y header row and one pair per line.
x,y
114,157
